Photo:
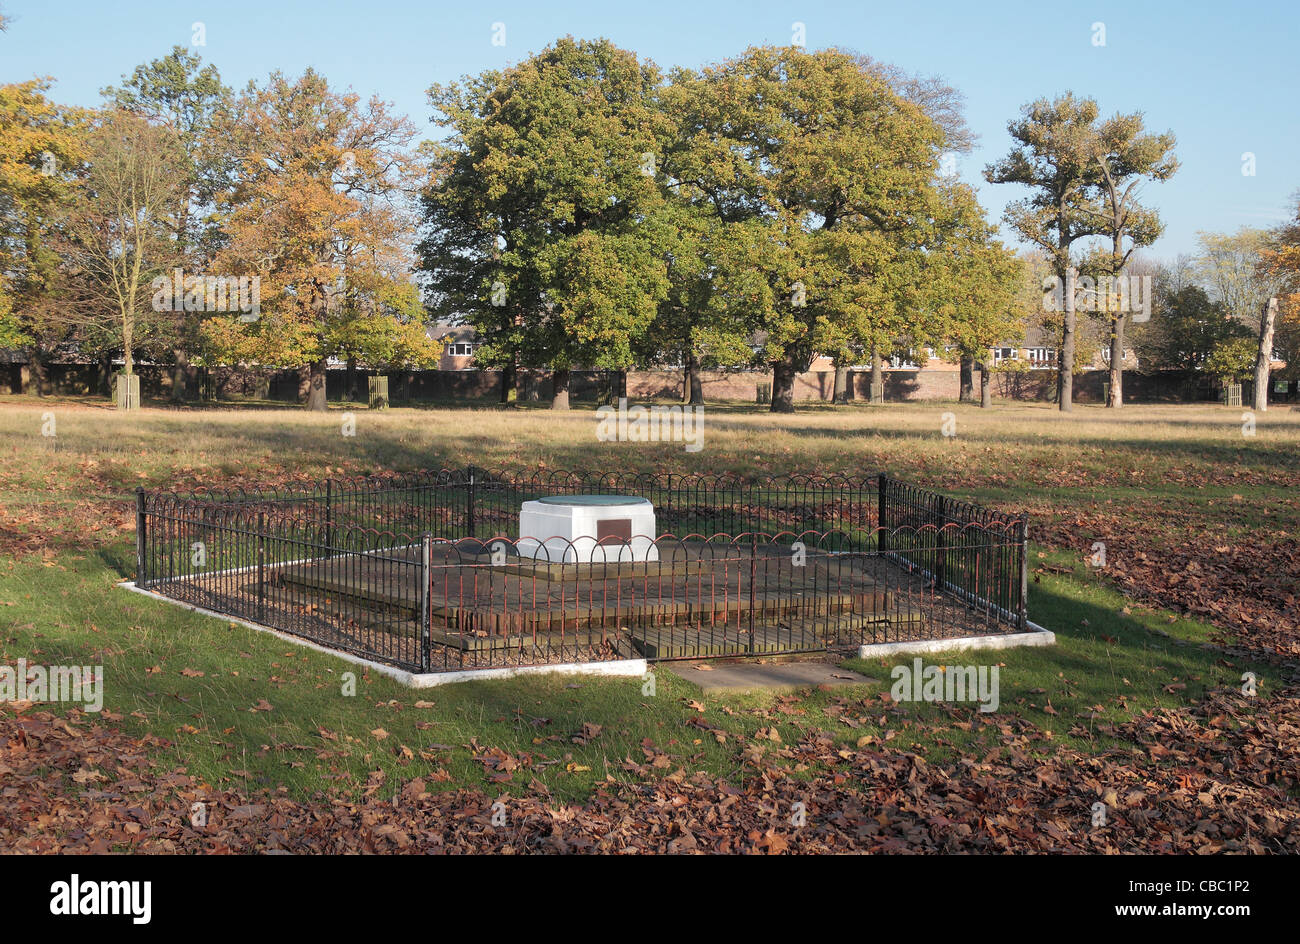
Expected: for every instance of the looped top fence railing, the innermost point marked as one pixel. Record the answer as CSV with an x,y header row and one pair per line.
x,y
400,568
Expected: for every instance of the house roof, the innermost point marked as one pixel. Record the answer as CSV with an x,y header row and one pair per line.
x,y
445,331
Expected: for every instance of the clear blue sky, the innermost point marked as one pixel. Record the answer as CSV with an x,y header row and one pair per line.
x,y
1222,76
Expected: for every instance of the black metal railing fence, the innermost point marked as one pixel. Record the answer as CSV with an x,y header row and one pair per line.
x,y
351,563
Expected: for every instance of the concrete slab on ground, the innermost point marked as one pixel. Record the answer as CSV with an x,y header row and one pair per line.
x,y
765,676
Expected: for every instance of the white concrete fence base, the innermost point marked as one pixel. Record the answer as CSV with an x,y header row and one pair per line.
x,y
1038,636
628,668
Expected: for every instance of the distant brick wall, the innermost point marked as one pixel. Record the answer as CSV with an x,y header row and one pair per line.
x,y
426,384
915,384
715,384
934,383
594,386
1024,385
1171,386
88,380
926,384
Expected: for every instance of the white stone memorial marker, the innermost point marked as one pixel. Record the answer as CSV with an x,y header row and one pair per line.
x,y
588,529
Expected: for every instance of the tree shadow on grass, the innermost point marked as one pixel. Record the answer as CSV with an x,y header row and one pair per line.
x,y
119,557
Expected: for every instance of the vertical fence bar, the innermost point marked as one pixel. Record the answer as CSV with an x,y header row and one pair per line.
x,y
141,579
470,498
753,581
329,518
426,619
667,500
261,567
1022,613
940,546
882,543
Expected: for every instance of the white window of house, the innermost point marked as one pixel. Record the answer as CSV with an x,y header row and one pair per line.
x,y
914,360
461,349
1105,355
1041,356
1001,354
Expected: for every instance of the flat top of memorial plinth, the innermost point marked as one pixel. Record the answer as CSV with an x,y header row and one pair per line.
x,y
600,501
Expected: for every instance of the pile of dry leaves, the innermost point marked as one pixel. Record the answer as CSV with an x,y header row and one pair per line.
x,y
1249,588
1206,778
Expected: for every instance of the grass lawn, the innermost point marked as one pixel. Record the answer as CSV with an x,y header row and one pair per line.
x,y
1162,487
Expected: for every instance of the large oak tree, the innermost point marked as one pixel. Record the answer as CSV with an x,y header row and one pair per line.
x,y
832,173
317,210
545,213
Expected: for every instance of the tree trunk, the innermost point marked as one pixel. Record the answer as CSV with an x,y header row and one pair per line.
x,y
106,375
509,393
560,389
877,376
317,394
1066,367
38,373
783,374
693,392
179,373
966,392
1264,358
128,338
1115,396
986,387
316,387
841,393
351,379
